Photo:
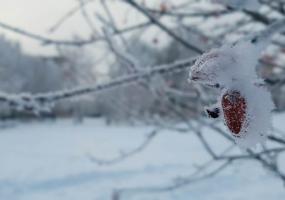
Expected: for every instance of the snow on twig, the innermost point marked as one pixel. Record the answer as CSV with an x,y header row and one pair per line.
x,y
42,102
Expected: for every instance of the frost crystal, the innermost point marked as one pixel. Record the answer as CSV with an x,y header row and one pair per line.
x,y
245,107
226,65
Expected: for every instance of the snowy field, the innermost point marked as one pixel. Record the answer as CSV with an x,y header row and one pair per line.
x,y
51,161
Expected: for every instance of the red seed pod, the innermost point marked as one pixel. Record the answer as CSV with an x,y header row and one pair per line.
x,y
234,108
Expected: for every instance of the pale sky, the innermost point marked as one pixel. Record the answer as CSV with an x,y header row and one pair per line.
x,y
33,15
37,16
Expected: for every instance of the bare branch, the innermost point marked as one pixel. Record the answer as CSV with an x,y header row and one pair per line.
x,y
118,193
163,27
68,15
49,41
125,155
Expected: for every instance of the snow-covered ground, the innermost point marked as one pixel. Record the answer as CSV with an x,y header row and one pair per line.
x,y
50,161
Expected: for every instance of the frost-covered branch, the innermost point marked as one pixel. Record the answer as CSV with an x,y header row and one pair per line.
x,y
188,14
38,101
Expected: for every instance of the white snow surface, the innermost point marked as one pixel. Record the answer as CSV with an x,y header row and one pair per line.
x,y
48,160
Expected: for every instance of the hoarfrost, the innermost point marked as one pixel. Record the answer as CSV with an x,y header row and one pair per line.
x,y
232,69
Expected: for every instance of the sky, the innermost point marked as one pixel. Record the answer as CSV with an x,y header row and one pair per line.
x,y
38,16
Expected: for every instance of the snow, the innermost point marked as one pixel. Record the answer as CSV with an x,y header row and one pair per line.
x,y
226,64
258,116
48,160
232,68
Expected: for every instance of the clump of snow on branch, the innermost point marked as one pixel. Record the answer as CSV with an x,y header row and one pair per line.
x,y
240,4
27,102
245,104
223,65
